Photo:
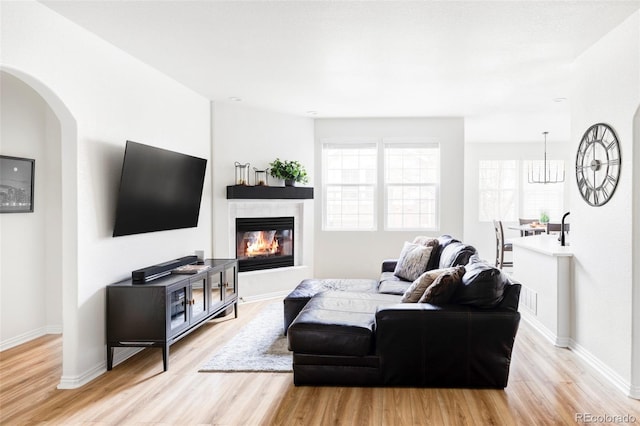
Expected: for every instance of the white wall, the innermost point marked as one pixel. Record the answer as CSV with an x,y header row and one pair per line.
x,y
481,235
607,90
30,254
112,97
251,135
635,321
53,222
359,254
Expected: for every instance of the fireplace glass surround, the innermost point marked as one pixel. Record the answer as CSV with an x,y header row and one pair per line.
x,y
264,243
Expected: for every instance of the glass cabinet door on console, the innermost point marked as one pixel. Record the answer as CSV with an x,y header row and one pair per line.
x,y
177,309
230,283
215,291
198,300
187,304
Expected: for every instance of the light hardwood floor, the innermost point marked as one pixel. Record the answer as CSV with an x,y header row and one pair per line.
x,y
547,385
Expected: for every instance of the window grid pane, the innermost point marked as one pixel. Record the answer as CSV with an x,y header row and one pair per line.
x,y
418,164
412,174
350,165
497,190
411,207
349,207
350,176
543,198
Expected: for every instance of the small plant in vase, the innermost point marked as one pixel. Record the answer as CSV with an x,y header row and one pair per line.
x,y
544,218
289,171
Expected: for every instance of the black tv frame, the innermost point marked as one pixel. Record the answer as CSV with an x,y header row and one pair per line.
x,y
143,206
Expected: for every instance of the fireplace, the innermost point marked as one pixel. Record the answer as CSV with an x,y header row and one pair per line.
x,y
264,243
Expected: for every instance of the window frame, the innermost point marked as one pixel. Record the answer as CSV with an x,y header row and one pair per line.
x,y
380,199
344,142
559,211
500,190
410,143
521,189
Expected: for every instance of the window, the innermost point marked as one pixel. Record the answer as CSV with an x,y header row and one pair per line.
x,y
349,185
498,190
411,179
500,182
538,198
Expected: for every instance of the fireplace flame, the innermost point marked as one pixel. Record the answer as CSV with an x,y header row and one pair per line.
x,y
263,244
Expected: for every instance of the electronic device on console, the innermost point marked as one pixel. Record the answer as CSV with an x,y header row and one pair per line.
x,y
144,275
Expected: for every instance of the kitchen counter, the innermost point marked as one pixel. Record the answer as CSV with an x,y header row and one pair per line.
x,y
545,269
544,244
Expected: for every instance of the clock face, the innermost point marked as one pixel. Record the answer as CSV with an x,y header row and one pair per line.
x,y
598,164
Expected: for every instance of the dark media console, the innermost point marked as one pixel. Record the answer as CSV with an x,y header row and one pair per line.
x,y
163,311
144,275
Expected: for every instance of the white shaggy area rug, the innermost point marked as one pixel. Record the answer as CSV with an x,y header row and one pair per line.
x,y
259,346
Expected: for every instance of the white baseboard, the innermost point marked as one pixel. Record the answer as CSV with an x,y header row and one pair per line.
x,y
634,392
29,335
594,362
73,382
562,342
265,296
54,329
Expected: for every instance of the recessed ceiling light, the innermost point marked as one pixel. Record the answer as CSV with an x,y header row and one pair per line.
x,y
235,99
312,112
561,99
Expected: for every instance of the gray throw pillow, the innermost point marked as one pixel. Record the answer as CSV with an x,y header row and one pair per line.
x,y
441,290
420,285
425,241
413,261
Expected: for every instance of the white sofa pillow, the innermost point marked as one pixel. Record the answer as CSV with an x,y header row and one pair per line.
x,y
412,261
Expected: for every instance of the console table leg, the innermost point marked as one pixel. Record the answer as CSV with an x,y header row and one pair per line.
x,y
235,309
165,357
109,357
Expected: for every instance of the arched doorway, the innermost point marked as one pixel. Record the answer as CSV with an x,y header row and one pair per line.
x,y
63,252
635,264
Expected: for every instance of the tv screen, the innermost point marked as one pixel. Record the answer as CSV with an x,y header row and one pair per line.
x,y
159,190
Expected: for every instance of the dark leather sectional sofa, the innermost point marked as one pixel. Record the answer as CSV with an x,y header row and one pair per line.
x,y
358,333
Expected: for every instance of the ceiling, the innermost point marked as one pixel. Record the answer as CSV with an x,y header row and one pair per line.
x,y
500,64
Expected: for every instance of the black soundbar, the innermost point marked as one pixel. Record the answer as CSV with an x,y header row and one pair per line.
x,y
144,275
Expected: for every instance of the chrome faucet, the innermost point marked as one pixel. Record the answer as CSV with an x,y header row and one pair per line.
x,y
562,235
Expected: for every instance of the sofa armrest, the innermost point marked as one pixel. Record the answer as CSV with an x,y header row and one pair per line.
x,y
425,345
389,265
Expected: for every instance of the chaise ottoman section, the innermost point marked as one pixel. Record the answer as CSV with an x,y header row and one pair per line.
x,y
298,298
337,323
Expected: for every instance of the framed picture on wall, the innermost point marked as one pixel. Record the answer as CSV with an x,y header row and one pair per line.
x,y
16,184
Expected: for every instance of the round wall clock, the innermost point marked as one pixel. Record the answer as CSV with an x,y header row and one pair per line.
x,y
598,164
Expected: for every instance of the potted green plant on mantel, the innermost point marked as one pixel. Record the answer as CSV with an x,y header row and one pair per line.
x,y
289,171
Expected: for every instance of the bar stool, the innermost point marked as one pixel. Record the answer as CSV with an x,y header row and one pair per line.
x,y
501,245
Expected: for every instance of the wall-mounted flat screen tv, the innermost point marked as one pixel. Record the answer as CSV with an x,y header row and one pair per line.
x,y
159,190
